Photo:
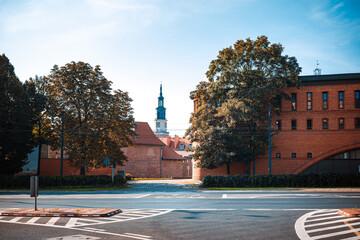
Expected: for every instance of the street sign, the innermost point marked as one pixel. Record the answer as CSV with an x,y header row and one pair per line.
x,y
107,161
188,167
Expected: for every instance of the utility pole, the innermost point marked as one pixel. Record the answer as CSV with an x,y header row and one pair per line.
x,y
269,139
62,144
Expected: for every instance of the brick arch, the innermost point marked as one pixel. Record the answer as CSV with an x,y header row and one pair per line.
x,y
327,155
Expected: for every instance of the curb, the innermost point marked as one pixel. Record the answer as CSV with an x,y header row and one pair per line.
x,y
65,213
350,212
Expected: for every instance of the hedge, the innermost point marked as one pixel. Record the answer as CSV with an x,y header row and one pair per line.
x,y
22,181
311,180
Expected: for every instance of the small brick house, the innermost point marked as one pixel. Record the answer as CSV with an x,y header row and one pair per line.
x,y
318,130
148,158
181,146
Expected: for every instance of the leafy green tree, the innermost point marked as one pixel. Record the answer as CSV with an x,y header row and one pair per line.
x,y
229,124
43,130
18,106
97,121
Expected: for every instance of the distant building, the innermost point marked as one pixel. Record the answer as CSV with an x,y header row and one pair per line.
x,y
182,147
160,121
148,158
318,130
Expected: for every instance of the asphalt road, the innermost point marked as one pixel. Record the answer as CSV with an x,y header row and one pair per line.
x,y
164,212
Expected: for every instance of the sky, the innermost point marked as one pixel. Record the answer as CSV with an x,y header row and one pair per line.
x,y
142,43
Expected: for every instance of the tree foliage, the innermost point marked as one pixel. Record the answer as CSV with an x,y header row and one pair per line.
x,y
97,121
229,124
18,108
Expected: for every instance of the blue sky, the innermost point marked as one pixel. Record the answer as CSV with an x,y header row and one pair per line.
x,y
139,44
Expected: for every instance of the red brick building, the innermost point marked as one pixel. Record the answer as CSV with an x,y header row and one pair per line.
x,y
149,158
318,130
181,146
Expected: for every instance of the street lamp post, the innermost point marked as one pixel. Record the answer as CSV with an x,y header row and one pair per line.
x,y
269,139
62,144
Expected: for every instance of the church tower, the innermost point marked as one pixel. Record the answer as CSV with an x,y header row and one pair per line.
x,y
161,122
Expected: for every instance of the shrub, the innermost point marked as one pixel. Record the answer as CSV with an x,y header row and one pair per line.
x,y
128,176
22,181
302,180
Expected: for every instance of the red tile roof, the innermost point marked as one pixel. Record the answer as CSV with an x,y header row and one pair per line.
x,y
169,154
145,136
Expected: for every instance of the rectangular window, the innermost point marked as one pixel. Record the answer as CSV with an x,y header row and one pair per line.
x,y
341,100
325,123
357,99
309,155
293,102
357,122
293,155
278,125
325,100
341,123
309,124
278,155
309,100
293,124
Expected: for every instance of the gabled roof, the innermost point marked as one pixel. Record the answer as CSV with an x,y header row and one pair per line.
x,y
145,136
169,154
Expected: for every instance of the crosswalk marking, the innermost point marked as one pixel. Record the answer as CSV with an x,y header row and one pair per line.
x,y
137,235
324,215
330,222
71,222
336,234
325,229
32,220
52,221
325,218
15,219
333,225
351,238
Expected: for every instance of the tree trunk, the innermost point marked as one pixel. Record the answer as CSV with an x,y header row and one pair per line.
x,y
254,163
248,166
228,168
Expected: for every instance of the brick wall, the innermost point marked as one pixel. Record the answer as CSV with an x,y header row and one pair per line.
x,y
321,143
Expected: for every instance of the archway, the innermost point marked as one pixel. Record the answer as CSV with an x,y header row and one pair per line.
x,y
347,162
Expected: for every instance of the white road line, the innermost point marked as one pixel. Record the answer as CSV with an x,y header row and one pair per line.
x,y
325,229
95,229
224,196
71,222
32,220
351,238
132,214
299,226
326,223
336,234
142,196
138,235
52,221
325,218
15,219
326,214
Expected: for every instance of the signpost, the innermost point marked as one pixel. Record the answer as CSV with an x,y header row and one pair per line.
x,y
34,188
107,162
